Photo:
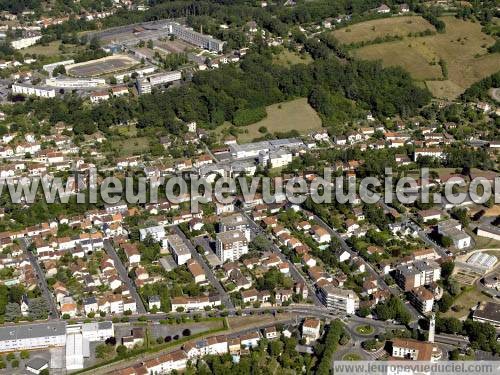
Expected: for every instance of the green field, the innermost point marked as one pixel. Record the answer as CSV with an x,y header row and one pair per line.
x,y
287,58
369,30
294,115
463,46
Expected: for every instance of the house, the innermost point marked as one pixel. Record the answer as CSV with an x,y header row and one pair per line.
x,y
197,271
249,296
428,215
271,333
210,346
488,312
320,234
383,9
166,363
99,96
154,302
308,260
311,330
250,340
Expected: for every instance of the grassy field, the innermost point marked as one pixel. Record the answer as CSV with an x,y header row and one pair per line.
x,y
287,58
133,146
466,300
370,30
294,115
51,49
463,47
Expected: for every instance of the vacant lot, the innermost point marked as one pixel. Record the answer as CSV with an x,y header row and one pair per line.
x,y
370,30
463,47
294,115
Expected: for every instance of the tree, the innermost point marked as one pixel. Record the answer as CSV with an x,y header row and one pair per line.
x,y
25,354
121,350
186,332
15,363
446,241
38,308
12,311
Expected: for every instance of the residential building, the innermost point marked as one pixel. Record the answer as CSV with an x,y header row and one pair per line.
x,y
414,350
343,300
178,248
416,274
30,90
311,330
32,336
235,221
231,245
422,299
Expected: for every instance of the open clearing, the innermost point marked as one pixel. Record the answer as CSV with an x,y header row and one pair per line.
x,y
463,47
373,29
101,66
294,115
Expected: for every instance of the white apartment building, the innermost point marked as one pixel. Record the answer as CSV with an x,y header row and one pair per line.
x,y
178,248
146,84
30,90
235,221
344,300
32,336
432,152
231,245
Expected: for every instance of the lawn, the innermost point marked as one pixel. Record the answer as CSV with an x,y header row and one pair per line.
x,y
364,329
462,46
294,115
351,357
287,58
369,30
485,243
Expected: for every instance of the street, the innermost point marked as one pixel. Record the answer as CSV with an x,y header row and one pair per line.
x,y
226,300
110,250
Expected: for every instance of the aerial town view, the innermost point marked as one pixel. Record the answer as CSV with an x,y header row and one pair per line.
x,y
253,187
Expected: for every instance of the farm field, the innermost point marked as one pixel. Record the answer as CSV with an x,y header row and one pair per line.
x,y
373,29
294,115
462,46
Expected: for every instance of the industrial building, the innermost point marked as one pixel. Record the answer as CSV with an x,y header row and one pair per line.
x,y
193,37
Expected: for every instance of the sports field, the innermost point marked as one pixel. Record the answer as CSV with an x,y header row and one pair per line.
x,y
373,29
294,115
105,65
463,46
